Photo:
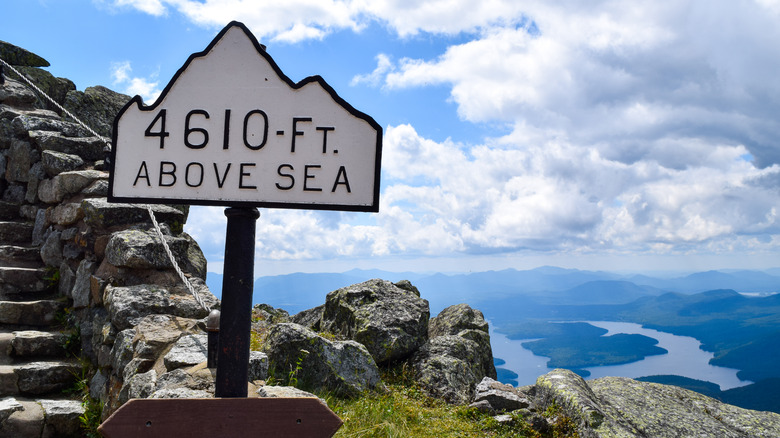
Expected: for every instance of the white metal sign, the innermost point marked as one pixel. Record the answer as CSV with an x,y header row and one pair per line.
x,y
231,129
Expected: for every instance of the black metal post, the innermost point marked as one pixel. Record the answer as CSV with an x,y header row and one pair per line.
x,y
236,319
212,327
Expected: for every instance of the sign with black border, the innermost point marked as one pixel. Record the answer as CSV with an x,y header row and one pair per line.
x,y
231,129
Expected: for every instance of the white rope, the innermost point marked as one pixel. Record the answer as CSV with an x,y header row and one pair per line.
x,y
61,108
173,260
157,229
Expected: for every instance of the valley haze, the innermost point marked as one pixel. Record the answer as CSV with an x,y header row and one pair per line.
x,y
733,315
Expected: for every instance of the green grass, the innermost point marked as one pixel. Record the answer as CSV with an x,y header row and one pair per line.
x,y
404,411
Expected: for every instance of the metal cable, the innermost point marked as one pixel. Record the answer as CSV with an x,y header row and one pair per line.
x,y
157,229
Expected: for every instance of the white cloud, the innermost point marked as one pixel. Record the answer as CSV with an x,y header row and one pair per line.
x,y
631,123
383,67
147,88
623,75
151,7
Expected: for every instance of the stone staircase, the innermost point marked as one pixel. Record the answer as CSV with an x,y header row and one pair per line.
x,y
35,367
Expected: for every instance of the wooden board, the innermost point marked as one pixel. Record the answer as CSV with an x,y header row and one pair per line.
x,y
221,417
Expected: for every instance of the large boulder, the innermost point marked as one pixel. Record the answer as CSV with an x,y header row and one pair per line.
x,y
494,396
96,107
390,321
298,355
128,305
622,407
457,355
461,320
449,367
56,88
16,55
142,249
100,214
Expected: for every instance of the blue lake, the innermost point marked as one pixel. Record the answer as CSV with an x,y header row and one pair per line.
x,y
684,358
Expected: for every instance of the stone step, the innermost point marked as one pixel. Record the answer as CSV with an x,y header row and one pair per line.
x,y
20,280
9,211
6,339
20,256
34,343
16,232
39,313
56,417
38,378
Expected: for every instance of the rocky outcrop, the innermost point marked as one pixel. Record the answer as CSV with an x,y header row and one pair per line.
x,y
80,276
298,354
457,355
620,407
449,356
390,321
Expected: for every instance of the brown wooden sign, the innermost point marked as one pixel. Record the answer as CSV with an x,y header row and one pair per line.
x,y
222,417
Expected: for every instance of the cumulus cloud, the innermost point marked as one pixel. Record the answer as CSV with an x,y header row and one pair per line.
x,y
147,88
647,127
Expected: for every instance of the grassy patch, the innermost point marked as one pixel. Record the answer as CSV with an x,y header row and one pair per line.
x,y
405,411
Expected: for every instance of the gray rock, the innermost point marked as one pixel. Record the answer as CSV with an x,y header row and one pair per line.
x,y
51,251
67,214
461,320
40,226
37,343
17,95
54,163
24,123
127,305
122,350
449,367
20,157
15,55
189,350
88,148
46,377
33,180
455,319
499,396
81,287
181,393
67,278
97,385
632,408
343,367
391,322
56,88
15,193
62,418
99,214
258,366
67,184
143,250
283,392
139,386
155,333
136,365
24,423
407,285
309,318
8,406
96,107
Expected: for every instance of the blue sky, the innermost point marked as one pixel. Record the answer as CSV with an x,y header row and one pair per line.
x,y
599,135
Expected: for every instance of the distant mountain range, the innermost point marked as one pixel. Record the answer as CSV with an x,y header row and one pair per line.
x,y
300,291
735,313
